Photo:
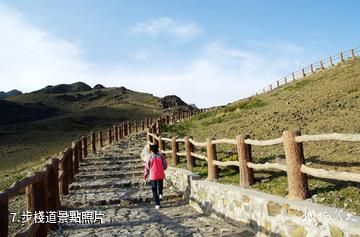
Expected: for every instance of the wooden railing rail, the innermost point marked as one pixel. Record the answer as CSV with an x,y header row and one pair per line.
x,y
293,146
313,68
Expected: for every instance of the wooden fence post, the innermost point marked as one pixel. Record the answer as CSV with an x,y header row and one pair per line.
x,y
121,132
278,83
303,72
189,147
115,133
213,170
129,127
41,201
109,136
118,132
85,147
331,62
142,125
65,178
70,165
93,142
4,214
101,142
244,156
311,68
53,185
51,199
148,139
157,126
123,125
161,144
80,150
352,53
75,156
321,65
341,57
136,126
29,192
156,141
293,76
175,149
297,181
151,138
37,200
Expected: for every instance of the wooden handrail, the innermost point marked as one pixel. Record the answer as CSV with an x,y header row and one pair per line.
x,y
20,185
226,163
224,140
166,139
166,152
337,175
267,166
331,136
296,171
199,156
325,63
269,142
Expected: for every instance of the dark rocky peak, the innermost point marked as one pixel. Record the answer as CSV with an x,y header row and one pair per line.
x,y
64,88
99,86
170,101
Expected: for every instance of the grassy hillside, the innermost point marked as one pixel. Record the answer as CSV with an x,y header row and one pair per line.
x,y
326,102
36,125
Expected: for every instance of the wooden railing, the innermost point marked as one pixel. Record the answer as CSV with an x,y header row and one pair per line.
x,y
296,170
313,68
45,189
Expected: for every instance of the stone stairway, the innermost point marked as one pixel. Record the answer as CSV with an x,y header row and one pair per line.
x,y
110,182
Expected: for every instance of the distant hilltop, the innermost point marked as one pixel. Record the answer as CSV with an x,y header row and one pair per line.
x,y
9,93
79,103
64,88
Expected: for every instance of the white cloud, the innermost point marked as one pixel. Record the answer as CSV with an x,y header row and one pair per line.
x,y
31,58
166,25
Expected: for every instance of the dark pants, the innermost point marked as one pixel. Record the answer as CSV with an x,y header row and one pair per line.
x,y
157,189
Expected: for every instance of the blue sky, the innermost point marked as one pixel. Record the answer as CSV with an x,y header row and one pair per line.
x,y
207,52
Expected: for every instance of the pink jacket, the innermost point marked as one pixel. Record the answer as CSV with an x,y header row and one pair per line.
x,y
155,166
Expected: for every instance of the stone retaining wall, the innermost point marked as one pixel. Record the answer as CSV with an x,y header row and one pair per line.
x,y
266,214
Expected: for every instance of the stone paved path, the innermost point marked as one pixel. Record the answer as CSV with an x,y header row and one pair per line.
x,y
110,182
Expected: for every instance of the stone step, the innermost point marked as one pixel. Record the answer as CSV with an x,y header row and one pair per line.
x,y
176,219
113,157
96,162
96,168
105,183
124,197
109,174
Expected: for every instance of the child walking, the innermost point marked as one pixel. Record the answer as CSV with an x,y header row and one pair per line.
x,y
154,169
